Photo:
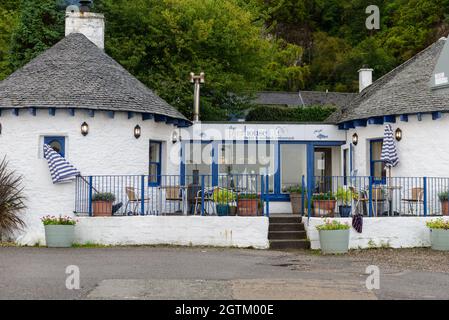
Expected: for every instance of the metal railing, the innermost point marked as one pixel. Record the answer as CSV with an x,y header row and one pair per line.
x,y
123,195
376,197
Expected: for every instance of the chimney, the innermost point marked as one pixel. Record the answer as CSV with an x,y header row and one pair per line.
x,y
80,20
365,78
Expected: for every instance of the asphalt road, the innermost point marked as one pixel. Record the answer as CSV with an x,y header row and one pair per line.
x,y
195,273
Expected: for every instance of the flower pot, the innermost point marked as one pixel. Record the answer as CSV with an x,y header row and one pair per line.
x,y
344,211
232,210
445,207
324,208
334,241
222,210
248,207
59,236
296,203
439,239
102,208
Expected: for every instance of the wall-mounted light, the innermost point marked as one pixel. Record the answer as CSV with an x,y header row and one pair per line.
x,y
355,139
137,132
175,137
84,129
398,134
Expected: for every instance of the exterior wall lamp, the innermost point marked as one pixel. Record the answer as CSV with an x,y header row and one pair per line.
x,y
175,137
355,139
137,132
398,134
84,129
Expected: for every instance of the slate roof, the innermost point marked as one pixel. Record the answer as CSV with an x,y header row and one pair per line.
x,y
404,90
292,99
75,73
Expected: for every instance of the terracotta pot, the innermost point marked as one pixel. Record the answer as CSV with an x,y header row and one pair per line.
x,y
296,202
445,207
102,208
324,207
248,207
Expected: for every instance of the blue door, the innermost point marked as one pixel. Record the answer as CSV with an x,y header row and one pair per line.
x,y
377,166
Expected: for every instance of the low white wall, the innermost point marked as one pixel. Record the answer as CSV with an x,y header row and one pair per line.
x,y
393,232
242,232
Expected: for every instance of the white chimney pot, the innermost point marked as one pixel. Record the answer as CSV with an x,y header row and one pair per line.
x,y
365,78
88,23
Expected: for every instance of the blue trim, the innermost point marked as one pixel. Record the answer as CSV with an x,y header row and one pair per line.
x,y
169,120
215,162
130,114
376,120
360,123
160,118
15,112
349,125
436,115
310,175
419,116
404,117
32,111
390,119
61,140
0,112
71,112
111,114
91,113
425,196
90,195
373,162
147,116
182,170
277,164
52,111
157,163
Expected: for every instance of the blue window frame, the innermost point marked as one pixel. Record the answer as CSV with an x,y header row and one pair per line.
x,y
154,164
57,143
377,166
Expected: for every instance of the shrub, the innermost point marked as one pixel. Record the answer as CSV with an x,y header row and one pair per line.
x,y
438,224
323,196
294,189
333,225
344,195
290,114
443,196
58,221
104,196
12,200
223,196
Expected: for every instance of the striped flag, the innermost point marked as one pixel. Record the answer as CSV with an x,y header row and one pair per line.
x,y
389,152
60,169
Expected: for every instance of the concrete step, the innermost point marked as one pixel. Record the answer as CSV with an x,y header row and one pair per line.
x,y
289,244
286,219
287,235
286,227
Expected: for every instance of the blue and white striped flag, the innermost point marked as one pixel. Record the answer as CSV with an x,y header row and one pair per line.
x,y
389,152
60,169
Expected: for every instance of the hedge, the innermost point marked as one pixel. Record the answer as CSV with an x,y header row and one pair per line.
x,y
290,114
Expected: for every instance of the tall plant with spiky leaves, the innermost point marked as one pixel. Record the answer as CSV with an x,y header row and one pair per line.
x,y
12,200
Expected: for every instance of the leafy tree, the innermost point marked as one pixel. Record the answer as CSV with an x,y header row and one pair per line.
x,y
8,20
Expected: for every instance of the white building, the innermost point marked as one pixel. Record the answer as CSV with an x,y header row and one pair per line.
x,y
120,134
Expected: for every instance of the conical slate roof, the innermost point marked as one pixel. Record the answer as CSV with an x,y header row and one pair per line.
x,y
75,73
405,90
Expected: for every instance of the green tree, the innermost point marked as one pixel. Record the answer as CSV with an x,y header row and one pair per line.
x,y
8,20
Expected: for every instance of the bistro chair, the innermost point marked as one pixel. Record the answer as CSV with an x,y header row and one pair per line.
x,y
173,194
133,201
416,199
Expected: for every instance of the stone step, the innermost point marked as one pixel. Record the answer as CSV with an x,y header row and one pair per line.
x,y
286,219
286,227
289,244
287,235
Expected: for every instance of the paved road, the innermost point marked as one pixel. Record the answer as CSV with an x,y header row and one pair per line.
x,y
191,273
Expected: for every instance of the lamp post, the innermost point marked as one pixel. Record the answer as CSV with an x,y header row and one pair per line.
x,y
197,80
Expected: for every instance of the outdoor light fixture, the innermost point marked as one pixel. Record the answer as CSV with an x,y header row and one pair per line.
x,y
355,139
398,134
174,137
84,129
137,131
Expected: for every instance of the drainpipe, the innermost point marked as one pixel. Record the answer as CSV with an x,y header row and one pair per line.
x,y
197,81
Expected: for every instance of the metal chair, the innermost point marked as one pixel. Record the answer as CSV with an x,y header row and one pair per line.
x,y
417,198
133,200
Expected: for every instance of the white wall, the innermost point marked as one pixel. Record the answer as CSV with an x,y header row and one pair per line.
x,y
242,232
397,232
423,150
109,149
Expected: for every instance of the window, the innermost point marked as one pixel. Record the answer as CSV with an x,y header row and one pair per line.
x,y
293,165
377,165
57,143
198,160
155,163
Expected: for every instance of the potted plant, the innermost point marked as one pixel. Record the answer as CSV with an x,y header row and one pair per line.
x,y
102,204
443,196
439,234
296,194
344,196
324,204
248,204
334,237
223,199
59,231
